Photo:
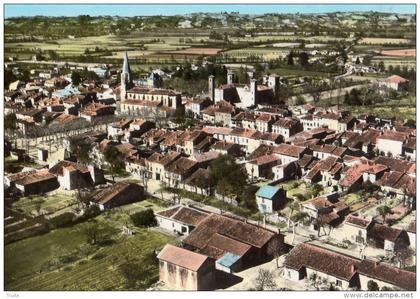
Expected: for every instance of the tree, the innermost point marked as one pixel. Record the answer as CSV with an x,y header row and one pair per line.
x,y
81,150
10,122
404,256
265,280
296,218
227,175
316,190
91,231
76,78
144,218
303,59
384,211
372,286
290,60
275,249
114,160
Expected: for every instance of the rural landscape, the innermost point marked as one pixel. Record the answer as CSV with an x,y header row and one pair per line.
x,y
210,150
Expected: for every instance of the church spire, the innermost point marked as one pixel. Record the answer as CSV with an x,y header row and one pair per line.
x,y
126,71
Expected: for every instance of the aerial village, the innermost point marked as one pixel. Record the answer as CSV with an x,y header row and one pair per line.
x,y
235,188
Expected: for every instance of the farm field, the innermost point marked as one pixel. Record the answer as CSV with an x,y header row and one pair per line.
x,y
63,259
400,53
380,40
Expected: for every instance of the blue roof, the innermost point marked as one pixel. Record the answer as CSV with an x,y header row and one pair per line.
x,y
228,259
267,191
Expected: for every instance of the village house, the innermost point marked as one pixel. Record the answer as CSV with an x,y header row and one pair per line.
x,y
307,259
244,119
287,127
157,162
324,210
385,276
95,110
118,129
218,236
387,238
355,228
181,269
391,143
395,82
270,199
344,272
73,175
37,182
227,148
327,172
177,171
194,107
264,123
118,194
180,219
261,167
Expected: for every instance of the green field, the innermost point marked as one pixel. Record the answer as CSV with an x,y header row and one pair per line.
x,y
63,259
48,204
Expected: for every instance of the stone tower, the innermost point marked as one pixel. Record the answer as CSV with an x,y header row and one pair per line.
x,y
211,88
126,77
230,77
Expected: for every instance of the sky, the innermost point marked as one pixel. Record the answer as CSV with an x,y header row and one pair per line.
x,y
15,10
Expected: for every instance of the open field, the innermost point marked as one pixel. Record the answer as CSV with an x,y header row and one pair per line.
x,y
400,53
380,40
48,204
63,260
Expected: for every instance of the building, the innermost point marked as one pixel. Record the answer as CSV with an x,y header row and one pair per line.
x,y
72,175
181,269
395,82
180,219
270,199
342,271
36,182
217,235
387,238
118,194
307,259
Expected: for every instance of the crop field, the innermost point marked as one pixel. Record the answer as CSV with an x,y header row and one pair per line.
x,y
380,40
197,51
265,53
400,53
63,260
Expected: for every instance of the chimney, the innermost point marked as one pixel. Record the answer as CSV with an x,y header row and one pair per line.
x,y
253,88
230,77
211,88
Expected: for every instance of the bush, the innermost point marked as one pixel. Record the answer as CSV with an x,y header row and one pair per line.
x,y
144,218
61,220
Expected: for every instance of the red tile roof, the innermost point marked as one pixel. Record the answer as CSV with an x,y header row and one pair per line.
x,y
182,257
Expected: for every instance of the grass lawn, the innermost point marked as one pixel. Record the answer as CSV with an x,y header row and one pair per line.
x,y
27,262
50,203
351,199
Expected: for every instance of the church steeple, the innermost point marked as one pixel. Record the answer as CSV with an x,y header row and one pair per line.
x,y
126,77
126,71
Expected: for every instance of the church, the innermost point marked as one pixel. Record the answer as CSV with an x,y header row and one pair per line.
x,y
143,101
246,95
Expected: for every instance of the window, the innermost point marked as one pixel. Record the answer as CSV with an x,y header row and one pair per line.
x,y
338,283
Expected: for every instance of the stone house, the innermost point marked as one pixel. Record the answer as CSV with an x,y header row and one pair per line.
x,y
270,199
120,193
181,269
180,219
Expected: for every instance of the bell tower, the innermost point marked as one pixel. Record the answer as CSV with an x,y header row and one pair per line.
x,y
126,77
